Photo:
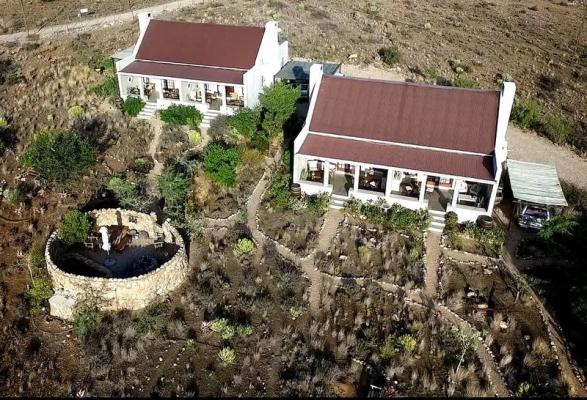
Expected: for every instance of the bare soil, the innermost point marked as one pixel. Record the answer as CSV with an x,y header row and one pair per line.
x,y
491,300
374,253
38,14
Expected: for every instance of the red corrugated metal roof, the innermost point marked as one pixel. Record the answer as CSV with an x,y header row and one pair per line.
x,y
401,112
214,45
406,157
190,72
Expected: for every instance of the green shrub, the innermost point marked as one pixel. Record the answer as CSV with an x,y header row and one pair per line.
x,y
431,73
561,224
466,83
245,121
244,247
451,221
526,114
404,218
220,163
490,239
558,129
388,349
132,106
252,157
278,192
195,136
319,204
389,55
107,88
174,186
227,356
179,114
416,249
126,192
36,256
12,78
407,343
142,165
295,312
38,293
87,317
74,227
278,104
15,196
76,112
260,141
224,328
151,319
3,122
107,64
58,155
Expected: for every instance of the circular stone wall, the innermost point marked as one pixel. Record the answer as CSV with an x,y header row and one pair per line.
x,y
119,293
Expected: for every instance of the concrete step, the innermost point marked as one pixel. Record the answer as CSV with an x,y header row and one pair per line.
x,y
436,212
437,230
148,111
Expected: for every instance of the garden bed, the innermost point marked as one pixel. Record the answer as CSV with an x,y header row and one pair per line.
x,y
375,253
493,301
472,238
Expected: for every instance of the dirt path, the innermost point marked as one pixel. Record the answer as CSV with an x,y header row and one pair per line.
x,y
431,262
319,281
99,22
528,146
153,146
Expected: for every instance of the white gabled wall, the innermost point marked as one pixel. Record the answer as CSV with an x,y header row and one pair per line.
x,y
506,102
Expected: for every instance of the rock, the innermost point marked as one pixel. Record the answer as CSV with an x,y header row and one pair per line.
x,y
342,257
482,306
527,338
428,25
471,294
353,56
61,306
503,325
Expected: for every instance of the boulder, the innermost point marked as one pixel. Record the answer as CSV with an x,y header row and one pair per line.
x,y
61,306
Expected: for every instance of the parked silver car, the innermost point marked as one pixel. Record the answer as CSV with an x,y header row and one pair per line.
x,y
533,216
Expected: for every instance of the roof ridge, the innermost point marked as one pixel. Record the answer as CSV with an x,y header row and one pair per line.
x,y
405,83
175,21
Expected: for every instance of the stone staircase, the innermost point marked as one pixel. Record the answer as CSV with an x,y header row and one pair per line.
x,y
436,221
208,117
337,202
148,111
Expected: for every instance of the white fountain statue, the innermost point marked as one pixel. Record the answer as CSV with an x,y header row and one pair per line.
x,y
105,240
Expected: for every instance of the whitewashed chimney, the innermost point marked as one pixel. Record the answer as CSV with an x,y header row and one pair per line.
x,y
316,72
144,19
506,102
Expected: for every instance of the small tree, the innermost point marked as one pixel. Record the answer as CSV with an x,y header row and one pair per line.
x,y
220,163
558,129
227,355
278,103
561,224
76,112
466,341
74,228
87,315
58,155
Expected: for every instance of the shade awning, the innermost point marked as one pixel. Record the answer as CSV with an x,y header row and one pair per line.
x,y
535,183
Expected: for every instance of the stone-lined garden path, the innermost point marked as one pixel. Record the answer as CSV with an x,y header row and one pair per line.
x,y
320,281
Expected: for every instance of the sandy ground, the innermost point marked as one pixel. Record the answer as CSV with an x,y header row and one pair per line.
x,y
528,146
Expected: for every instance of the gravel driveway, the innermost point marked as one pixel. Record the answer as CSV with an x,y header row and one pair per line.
x,y
528,146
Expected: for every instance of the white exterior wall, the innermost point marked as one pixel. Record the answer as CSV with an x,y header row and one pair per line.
x,y
270,59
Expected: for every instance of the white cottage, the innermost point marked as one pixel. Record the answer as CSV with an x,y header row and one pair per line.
x,y
421,146
216,68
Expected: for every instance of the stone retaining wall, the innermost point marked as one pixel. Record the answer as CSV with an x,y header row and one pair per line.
x,y
116,293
